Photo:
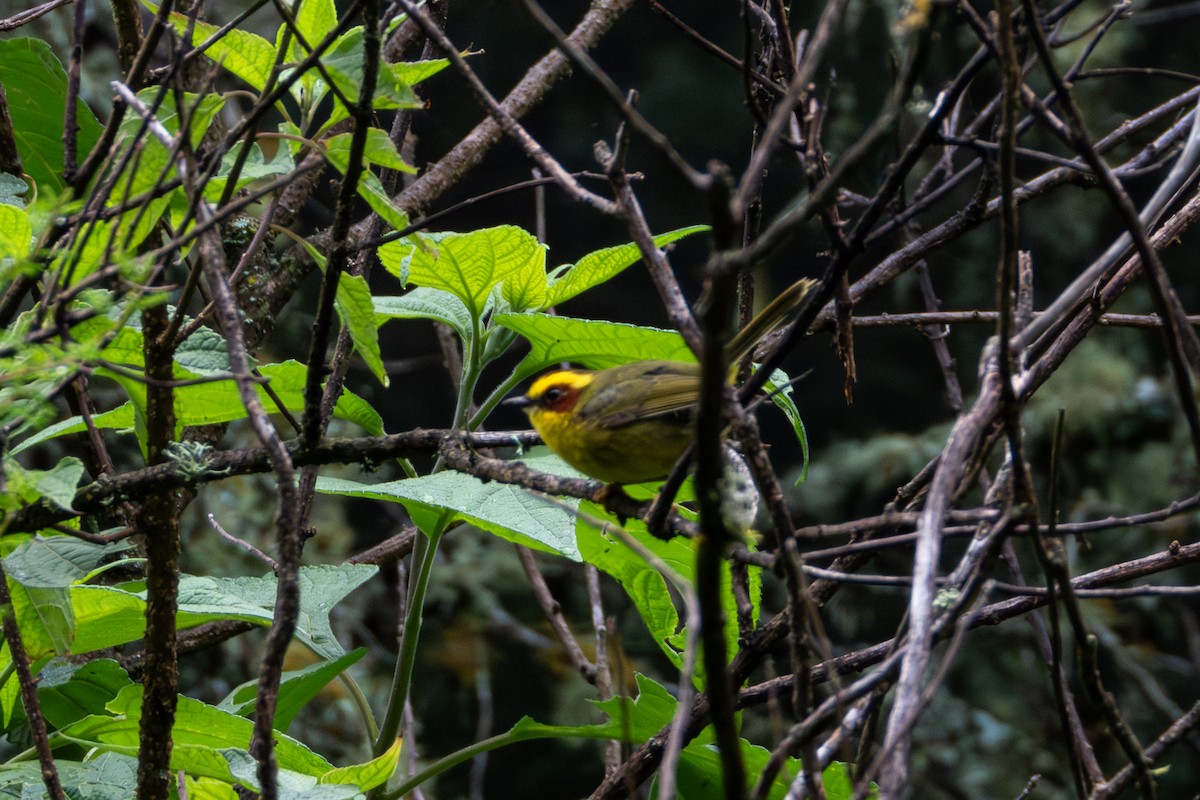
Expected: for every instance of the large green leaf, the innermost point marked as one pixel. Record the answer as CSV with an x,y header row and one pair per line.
x,y
645,584
425,303
597,267
35,84
473,265
590,343
107,776
322,586
507,511
40,573
69,692
379,150
201,737
343,63
209,743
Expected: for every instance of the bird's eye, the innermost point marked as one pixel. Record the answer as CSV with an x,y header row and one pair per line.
x,y
553,395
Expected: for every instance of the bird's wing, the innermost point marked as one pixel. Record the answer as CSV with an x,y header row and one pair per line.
x,y
663,392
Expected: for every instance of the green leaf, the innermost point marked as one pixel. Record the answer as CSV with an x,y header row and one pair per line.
x,y
296,689
13,190
379,150
246,55
647,587
16,234
472,265
357,312
69,692
343,63
153,163
644,584
120,417
36,85
219,401
366,777
592,344
509,512
597,267
425,303
782,395
205,352
108,776
57,561
106,616
46,619
256,167
322,586
413,72
641,717
202,737
58,484
315,19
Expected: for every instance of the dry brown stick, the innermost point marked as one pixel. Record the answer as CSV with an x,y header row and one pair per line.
x,y
30,14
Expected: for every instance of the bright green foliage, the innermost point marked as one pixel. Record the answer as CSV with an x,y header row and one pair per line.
x,y
356,311
472,265
598,267
201,734
253,59
33,80
590,343
337,150
15,234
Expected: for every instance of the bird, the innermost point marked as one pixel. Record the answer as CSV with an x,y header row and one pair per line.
x,y
631,423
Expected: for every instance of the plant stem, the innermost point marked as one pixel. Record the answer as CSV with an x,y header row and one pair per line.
x,y
423,557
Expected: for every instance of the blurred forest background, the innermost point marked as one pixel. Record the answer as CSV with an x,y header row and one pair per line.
x,y
991,727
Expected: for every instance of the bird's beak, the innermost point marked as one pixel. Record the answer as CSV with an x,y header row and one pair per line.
x,y
520,401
